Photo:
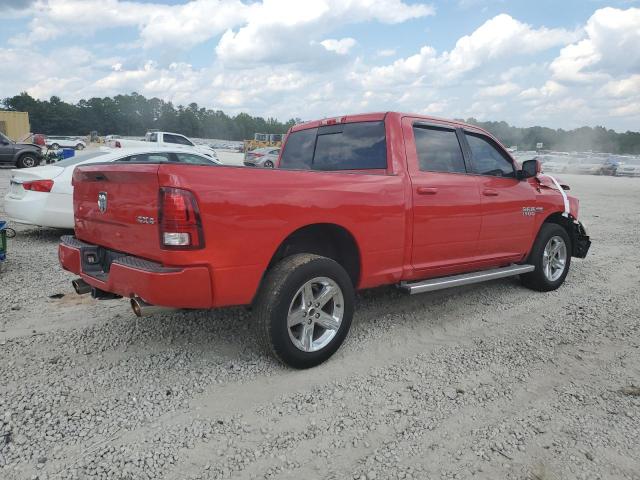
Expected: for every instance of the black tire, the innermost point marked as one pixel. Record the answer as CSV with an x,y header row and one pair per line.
x,y
268,164
279,289
55,146
27,160
537,280
79,146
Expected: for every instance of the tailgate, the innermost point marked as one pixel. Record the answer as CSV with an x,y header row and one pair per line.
x,y
116,206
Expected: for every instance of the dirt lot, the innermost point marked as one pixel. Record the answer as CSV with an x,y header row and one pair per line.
x,y
490,381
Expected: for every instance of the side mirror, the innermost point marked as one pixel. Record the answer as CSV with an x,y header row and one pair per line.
x,y
530,168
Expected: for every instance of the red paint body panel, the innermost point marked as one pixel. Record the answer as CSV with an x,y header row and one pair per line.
x,y
402,230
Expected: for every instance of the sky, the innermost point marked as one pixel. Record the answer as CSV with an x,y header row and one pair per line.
x,y
560,63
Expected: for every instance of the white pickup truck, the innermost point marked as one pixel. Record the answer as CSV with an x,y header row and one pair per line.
x,y
162,139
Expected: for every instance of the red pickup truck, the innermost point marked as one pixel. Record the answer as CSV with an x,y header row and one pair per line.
x,y
356,202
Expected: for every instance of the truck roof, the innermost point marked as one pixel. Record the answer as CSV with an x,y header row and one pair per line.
x,y
378,116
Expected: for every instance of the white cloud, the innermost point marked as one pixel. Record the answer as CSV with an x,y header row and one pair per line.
x,y
283,31
341,47
386,52
498,38
610,48
181,26
625,87
501,90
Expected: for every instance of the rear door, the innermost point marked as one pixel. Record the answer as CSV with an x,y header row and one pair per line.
x,y
446,201
508,204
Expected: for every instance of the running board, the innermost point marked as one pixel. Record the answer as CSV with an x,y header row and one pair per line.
x,y
464,279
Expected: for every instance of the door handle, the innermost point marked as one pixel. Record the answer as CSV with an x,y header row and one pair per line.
x,y
490,192
427,191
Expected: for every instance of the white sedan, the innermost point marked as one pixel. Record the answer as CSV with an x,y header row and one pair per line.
x,y
43,196
55,143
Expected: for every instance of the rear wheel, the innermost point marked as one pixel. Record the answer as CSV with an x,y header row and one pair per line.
x,y
55,146
304,309
551,255
27,160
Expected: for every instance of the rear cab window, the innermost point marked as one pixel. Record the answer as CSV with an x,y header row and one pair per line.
x,y
177,139
349,146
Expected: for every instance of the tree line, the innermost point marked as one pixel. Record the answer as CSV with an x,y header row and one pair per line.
x,y
583,139
133,115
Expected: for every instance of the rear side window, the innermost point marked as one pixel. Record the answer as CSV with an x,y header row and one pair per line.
x,y
146,158
350,146
438,150
193,159
487,159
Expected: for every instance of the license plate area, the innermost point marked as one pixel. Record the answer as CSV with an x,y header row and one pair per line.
x,y
96,261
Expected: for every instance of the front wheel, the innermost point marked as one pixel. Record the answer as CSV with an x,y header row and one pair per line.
x,y
268,164
55,146
304,309
79,146
551,255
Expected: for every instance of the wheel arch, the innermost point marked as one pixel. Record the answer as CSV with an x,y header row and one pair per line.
x,y
325,239
565,222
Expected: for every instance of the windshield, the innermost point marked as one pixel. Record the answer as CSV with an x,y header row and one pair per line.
x,y
81,157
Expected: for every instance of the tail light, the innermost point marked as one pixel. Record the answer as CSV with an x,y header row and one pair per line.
x,y
179,220
118,145
38,185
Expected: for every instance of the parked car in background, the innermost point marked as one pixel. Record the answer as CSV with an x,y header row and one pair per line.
x,y
560,164
22,155
591,166
356,202
163,139
629,168
43,196
266,157
57,142
111,138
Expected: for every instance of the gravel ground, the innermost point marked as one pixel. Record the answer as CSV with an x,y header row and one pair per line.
x,y
488,381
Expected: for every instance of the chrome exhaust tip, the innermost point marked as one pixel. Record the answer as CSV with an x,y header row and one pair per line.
x,y
80,286
144,309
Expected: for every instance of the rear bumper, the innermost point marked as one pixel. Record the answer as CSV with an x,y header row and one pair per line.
x,y
127,276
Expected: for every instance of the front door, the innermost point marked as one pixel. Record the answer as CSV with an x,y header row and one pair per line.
x,y
508,204
446,200
6,149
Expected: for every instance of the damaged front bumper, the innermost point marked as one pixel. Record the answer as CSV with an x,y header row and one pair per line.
x,y
580,241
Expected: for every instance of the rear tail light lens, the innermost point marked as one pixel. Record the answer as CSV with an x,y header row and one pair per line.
x,y
118,145
179,220
38,185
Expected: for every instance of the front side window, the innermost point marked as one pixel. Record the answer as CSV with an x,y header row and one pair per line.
x,y
438,150
487,159
350,146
